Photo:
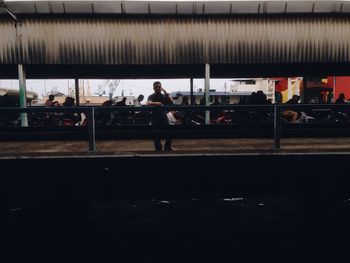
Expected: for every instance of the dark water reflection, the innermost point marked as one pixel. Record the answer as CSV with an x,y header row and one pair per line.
x,y
188,230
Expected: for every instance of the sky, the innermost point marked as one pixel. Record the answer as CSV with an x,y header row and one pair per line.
x,y
128,86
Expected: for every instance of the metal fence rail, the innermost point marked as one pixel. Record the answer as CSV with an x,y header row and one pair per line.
x,y
91,112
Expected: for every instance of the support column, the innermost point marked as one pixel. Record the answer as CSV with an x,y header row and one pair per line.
x,y
277,128
334,89
302,95
290,90
22,94
191,92
207,92
77,101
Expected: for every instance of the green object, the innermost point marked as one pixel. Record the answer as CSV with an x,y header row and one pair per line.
x,y
22,94
207,92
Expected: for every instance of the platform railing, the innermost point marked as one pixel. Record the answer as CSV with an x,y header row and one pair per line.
x,y
90,113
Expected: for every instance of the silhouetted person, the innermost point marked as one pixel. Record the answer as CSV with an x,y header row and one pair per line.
x,y
258,115
252,99
7,118
340,99
69,102
260,98
291,114
137,102
214,114
159,118
121,103
51,118
184,115
330,97
278,97
294,100
107,103
341,115
71,117
139,116
6,101
50,101
104,117
185,101
121,115
216,101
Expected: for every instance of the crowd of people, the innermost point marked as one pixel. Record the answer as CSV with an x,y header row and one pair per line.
x,y
174,117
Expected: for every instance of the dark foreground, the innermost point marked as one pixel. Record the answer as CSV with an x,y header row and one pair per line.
x,y
256,208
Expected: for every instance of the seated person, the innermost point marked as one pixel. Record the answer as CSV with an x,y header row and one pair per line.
x,y
291,115
172,117
259,116
341,114
105,117
341,99
70,118
50,101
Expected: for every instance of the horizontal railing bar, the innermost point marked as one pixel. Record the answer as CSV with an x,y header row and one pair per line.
x,y
173,107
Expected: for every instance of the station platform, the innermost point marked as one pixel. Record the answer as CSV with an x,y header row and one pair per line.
x,y
46,149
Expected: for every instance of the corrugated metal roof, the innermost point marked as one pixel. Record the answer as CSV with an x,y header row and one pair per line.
x,y
177,7
176,40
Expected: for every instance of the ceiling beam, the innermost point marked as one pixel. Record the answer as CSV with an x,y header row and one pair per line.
x,y
4,6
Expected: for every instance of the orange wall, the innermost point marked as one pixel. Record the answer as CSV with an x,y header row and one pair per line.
x,y
282,84
282,87
342,85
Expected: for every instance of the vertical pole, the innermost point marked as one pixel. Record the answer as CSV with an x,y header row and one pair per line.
x,y
207,92
290,91
83,90
302,95
45,88
191,91
91,126
22,94
276,128
77,102
334,89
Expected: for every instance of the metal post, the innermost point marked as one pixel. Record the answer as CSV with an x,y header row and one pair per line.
x,y
290,91
334,89
207,92
22,94
302,95
276,128
91,126
77,101
191,91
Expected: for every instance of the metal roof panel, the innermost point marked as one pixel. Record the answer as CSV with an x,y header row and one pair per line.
x,y
21,7
323,7
217,8
42,7
177,7
344,7
136,7
77,7
57,7
300,7
246,7
105,7
185,8
162,8
274,7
